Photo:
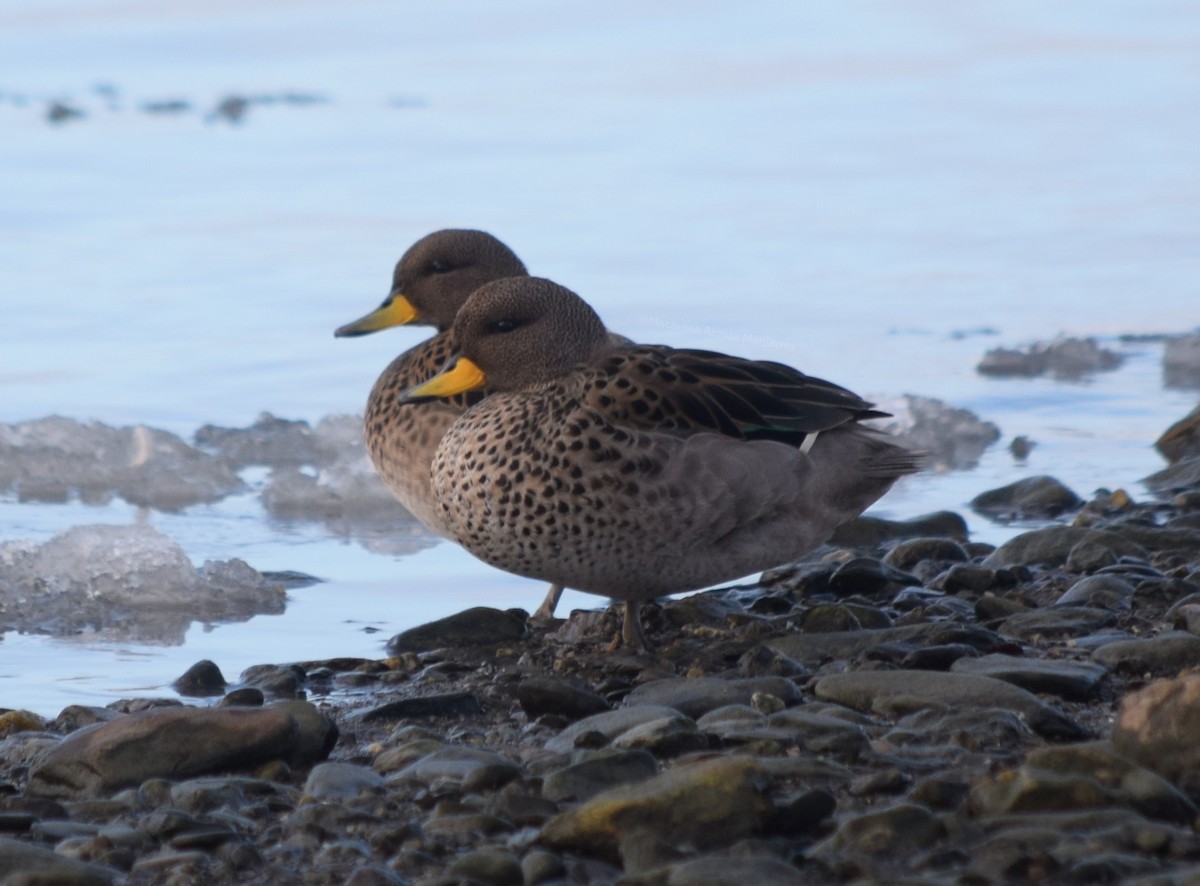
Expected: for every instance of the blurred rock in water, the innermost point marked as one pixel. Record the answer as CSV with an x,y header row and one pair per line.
x,y
954,438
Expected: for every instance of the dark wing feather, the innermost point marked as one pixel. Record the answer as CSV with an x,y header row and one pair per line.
x,y
654,386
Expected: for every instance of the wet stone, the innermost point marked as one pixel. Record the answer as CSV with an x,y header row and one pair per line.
x,y
479,626
609,724
171,741
549,695
867,576
598,772
907,554
829,618
539,866
735,870
816,733
704,805
494,867
203,678
1104,591
904,691
1052,545
1179,477
1032,498
1075,681
246,697
667,737
986,730
76,716
898,830
700,695
455,704
1057,621
336,781
1167,653
937,658
1088,557
280,681
1182,439
1158,727
25,863
1078,777
965,577
868,531
471,768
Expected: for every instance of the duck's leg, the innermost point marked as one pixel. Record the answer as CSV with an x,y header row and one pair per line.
x,y
631,630
546,610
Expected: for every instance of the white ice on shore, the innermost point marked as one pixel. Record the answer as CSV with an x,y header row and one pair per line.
x,y
57,459
128,581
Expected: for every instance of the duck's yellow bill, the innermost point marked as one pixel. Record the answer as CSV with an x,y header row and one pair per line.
x,y
396,310
461,375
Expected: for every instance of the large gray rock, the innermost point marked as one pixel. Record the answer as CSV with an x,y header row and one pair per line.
x,y
704,805
26,863
1159,727
598,772
1052,545
478,626
1167,653
913,690
696,697
609,724
177,742
1074,680
1032,497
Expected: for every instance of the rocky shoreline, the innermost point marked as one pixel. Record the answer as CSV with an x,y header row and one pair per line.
x,y
903,706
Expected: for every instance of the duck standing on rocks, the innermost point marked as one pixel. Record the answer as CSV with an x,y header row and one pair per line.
x,y
431,282
637,471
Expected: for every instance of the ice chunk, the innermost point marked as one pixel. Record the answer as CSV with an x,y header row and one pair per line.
x,y
269,441
281,442
1065,358
55,458
954,438
1181,362
126,581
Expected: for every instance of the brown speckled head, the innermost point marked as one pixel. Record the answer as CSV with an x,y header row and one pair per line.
x,y
523,331
441,270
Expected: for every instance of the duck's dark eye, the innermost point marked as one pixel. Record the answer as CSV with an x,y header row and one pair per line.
x,y
439,266
504,325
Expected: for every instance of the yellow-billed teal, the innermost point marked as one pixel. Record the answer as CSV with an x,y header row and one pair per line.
x,y
636,471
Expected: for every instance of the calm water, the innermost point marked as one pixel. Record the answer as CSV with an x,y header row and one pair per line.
x,y
858,189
